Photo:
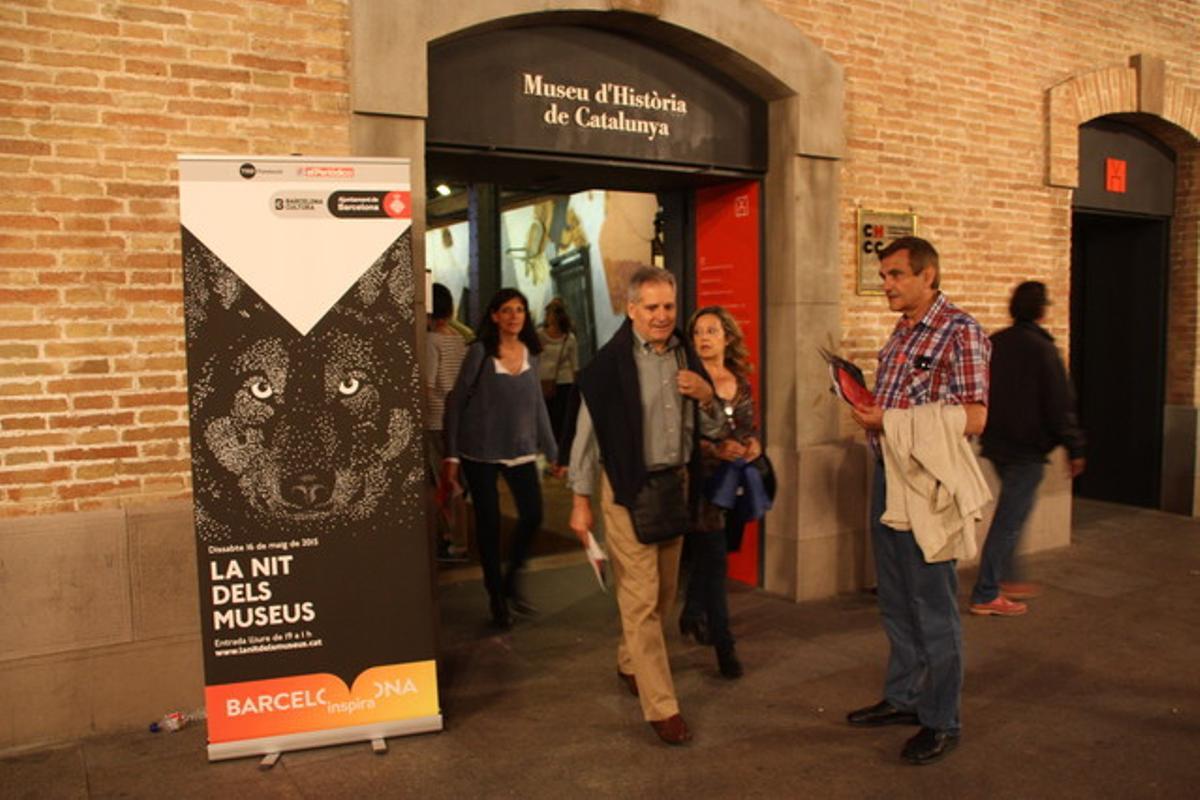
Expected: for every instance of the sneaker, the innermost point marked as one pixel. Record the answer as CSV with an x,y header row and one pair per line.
x,y
1000,607
448,553
1020,591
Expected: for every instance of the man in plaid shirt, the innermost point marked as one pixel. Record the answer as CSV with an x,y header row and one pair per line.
x,y
936,353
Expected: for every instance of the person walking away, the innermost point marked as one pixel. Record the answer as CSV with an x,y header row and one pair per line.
x,y
638,419
496,424
1031,411
936,360
559,362
444,352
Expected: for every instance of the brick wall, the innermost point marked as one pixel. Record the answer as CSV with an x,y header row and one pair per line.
x,y
97,99
946,113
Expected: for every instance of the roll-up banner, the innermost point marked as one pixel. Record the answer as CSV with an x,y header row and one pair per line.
x,y
316,594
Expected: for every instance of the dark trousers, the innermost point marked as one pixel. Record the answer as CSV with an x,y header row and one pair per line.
x,y
527,492
1018,489
706,599
919,605
556,407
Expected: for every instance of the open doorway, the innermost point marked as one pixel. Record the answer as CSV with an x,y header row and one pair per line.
x,y
1118,325
1120,252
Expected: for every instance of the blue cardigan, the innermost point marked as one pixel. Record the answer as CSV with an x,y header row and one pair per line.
x,y
495,416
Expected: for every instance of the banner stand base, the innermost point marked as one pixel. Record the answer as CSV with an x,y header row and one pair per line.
x,y
272,747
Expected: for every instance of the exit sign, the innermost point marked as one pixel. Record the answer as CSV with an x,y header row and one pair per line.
x,y
1114,175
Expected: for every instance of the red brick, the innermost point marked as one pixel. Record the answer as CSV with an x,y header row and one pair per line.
x,y
24,147
25,457
269,64
152,399
80,385
148,434
158,382
193,72
156,416
14,389
33,332
23,424
18,351
36,296
11,477
71,241
79,490
143,14
28,406
95,453
21,369
91,420
156,466
141,190
75,349
92,402
62,22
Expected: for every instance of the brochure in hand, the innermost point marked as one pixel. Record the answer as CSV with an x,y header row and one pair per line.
x,y
598,559
847,379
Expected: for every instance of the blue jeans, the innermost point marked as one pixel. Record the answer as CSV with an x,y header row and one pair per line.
x,y
522,480
1019,483
706,598
919,605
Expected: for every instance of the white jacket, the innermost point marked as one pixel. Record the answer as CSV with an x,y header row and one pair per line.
x,y
934,485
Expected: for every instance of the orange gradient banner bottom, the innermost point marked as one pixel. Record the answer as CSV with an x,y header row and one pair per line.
x,y
305,703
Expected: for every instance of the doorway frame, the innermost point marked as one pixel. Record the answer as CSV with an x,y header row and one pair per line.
x,y
814,541
1170,111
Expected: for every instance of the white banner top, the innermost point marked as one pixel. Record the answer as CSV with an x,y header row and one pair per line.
x,y
296,256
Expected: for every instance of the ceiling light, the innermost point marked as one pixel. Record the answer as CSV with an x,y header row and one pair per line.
x,y
442,189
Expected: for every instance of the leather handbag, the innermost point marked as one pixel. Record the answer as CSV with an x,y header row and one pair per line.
x,y
660,511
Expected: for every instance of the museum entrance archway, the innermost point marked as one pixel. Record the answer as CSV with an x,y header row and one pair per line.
x,y
569,186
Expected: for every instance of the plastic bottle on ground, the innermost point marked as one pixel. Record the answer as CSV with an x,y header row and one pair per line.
x,y
177,720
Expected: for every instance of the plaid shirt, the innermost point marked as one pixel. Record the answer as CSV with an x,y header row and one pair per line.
x,y
942,357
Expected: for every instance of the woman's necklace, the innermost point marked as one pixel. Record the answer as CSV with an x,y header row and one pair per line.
x,y
726,402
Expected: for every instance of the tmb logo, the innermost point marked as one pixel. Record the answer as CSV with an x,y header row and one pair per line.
x,y
247,170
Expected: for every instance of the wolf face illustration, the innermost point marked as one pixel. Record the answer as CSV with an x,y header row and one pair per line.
x,y
299,435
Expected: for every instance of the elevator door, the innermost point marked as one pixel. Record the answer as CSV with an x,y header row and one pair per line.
x,y
1118,293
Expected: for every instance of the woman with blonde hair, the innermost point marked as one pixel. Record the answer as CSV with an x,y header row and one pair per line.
x,y
719,343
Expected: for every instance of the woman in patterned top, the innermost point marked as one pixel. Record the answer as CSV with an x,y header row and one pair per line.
x,y
719,343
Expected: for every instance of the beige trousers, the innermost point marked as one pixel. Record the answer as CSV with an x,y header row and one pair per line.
x,y
646,580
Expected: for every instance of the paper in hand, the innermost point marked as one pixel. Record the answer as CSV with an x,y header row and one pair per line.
x,y
598,559
847,380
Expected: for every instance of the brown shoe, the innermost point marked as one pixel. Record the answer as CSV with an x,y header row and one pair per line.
x,y
672,730
629,681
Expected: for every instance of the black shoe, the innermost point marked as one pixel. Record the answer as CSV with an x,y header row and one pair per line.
x,y
522,606
696,628
882,713
928,746
500,616
728,664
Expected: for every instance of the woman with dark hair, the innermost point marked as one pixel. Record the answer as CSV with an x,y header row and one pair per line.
x,y
496,424
719,344
560,361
